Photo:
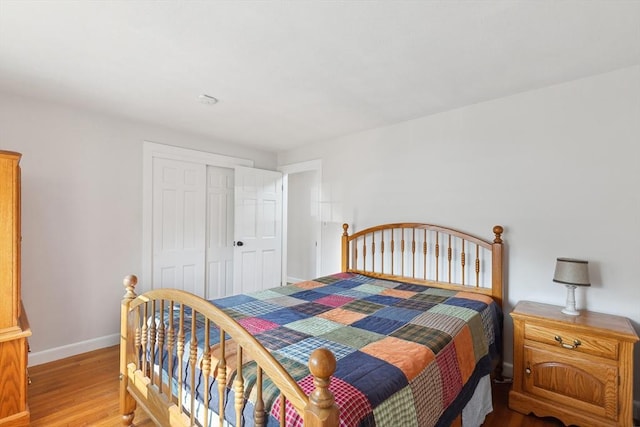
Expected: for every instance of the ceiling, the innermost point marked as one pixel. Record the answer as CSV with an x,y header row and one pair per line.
x,y
292,73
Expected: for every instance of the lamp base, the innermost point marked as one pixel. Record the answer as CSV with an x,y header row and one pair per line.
x,y
570,308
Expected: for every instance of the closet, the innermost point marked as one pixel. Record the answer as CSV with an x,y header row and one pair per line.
x,y
14,326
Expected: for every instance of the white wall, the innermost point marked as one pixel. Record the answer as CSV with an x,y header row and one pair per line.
x,y
559,168
82,216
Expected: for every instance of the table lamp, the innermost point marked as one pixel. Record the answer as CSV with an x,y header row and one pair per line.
x,y
571,273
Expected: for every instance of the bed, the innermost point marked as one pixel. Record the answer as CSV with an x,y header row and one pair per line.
x,y
406,333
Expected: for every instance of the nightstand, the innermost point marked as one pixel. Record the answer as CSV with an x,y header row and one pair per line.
x,y
578,369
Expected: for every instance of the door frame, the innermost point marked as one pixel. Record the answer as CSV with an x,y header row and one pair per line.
x,y
151,150
307,166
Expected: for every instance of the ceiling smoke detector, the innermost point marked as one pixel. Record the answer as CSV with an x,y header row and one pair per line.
x,y
207,99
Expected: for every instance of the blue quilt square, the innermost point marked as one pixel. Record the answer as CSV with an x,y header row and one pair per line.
x,y
382,299
415,304
284,316
232,300
311,308
397,313
410,287
467,303
346,284
308,295
378,324
374,377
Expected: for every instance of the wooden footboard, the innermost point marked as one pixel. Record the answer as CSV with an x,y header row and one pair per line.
x,y
160,359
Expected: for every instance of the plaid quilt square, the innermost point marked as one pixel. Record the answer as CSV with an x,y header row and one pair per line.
x,y
467,303
308,295
283,316
432,338
361,306
369,288
311,308
441,292
382,299
450,372
338,277
430,297
398,293
353,293
442,322
309,284
256,325
256,308
344,317
301,350
410,287
274,339
286,301
415,304
266,295
378,324
353,405
334,300
353,337
454,311
286,290
403,413
314,326
232,301
351,283
427,393
397,313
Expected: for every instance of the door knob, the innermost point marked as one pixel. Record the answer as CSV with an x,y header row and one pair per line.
x,y
239,244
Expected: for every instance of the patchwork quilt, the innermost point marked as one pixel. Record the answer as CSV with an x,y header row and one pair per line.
x,y
407,355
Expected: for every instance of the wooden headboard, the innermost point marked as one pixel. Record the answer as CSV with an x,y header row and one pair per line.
x,y
427,254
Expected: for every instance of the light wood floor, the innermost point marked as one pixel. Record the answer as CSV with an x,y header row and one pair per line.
x,y
83,391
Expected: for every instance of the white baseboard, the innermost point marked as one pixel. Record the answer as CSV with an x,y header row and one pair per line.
x,y
40,357
294,280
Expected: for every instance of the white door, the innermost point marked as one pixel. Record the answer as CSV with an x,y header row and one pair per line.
x,y
258,230
179,225
220,223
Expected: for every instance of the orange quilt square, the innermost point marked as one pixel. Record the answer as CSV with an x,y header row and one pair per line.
x,y
411,358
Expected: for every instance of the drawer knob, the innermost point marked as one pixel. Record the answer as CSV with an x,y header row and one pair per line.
x,y
528,370
575,344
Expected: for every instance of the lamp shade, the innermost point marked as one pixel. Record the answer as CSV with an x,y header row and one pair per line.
x,y
572,272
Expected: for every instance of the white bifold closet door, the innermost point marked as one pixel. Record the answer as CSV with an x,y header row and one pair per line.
x,y
179,223
199,212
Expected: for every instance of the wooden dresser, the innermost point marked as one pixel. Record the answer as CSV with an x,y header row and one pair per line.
x,y
578,369
14,327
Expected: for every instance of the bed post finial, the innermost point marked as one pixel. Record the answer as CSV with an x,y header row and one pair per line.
x,y
345,227
497,230
127,403
321,411
130,283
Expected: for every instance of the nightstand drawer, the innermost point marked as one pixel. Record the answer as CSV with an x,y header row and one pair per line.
x,y
571,341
